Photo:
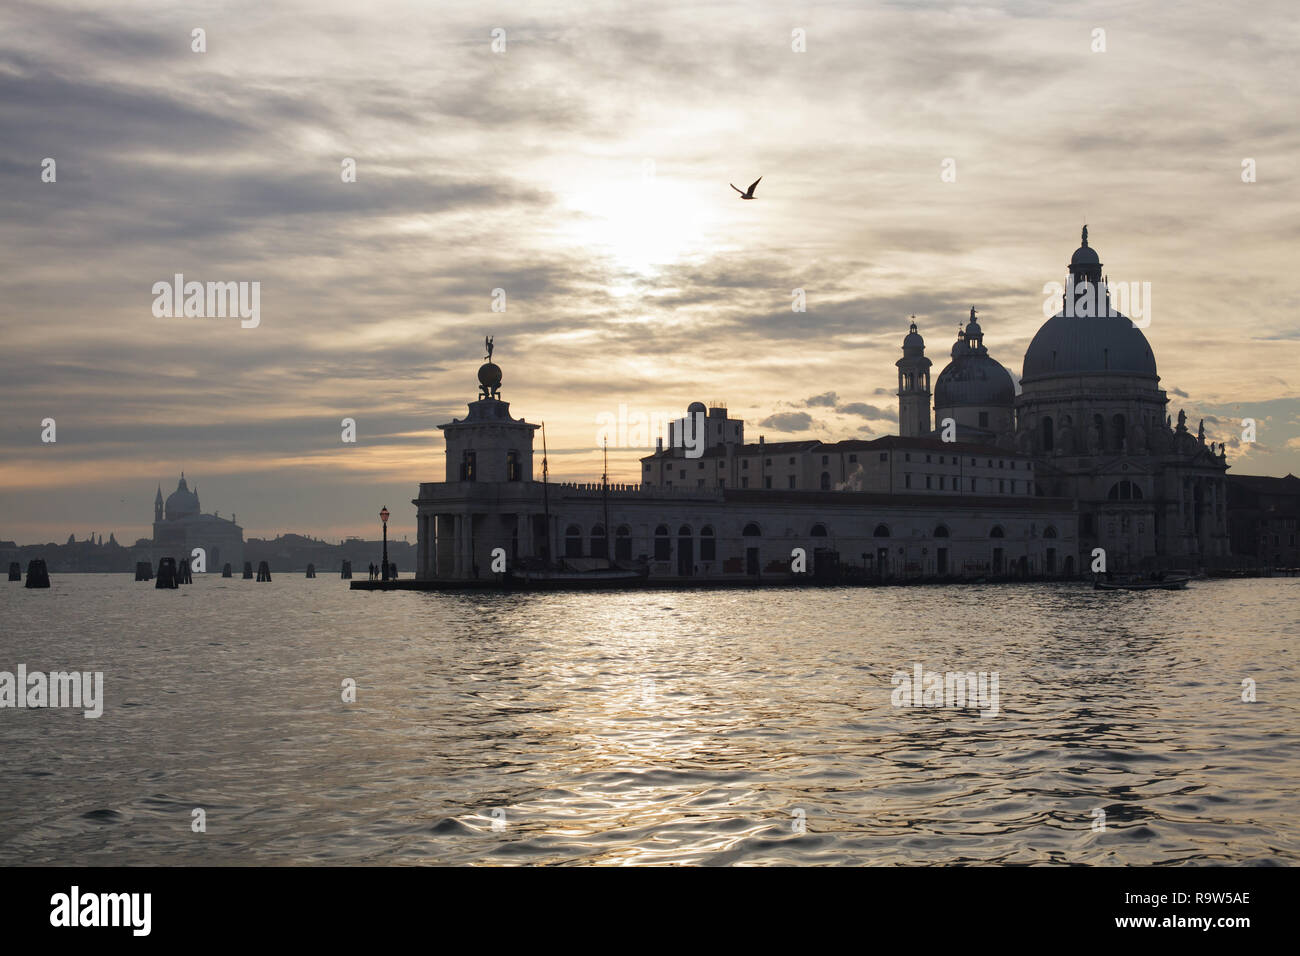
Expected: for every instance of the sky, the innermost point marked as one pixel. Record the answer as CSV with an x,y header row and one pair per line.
x,y
917,159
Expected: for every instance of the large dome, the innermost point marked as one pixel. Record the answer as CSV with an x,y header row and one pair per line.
x,y
182,502
1107,342
1079,344
974,380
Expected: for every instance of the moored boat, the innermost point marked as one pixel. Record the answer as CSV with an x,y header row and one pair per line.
x,y
558,578
1159,581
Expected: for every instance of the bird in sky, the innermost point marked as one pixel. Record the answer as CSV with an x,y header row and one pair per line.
x,y
750,194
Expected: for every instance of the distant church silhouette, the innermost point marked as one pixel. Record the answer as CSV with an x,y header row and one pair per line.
x,y
179,526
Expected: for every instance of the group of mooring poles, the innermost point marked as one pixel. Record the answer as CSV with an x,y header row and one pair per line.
x,y
170,574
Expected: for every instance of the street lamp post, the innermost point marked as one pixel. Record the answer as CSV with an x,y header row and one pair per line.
x,y
383,516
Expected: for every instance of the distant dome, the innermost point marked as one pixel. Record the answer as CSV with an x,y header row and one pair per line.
x,y
913,339
1074,344
181,503
696,408
974,379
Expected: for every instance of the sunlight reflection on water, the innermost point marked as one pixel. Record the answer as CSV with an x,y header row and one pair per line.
x,y
650,727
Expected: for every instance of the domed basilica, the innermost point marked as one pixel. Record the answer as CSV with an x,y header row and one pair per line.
x,y
1092,416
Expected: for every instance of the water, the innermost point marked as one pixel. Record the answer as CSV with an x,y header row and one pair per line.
x,y
650,727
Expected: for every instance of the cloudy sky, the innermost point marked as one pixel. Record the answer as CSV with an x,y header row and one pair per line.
x,y
584,170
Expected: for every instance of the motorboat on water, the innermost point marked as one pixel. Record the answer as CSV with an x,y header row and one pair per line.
x,y
1156,581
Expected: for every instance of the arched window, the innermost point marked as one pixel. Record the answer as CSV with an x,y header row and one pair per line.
x,y
512,466
1049,532
684,531
1125,491
663,543
708,544
599,544
826,481
819,531
882,531
623,543
1048,437
573,541
1099,423
1117,432
941,532
468,466
751,531
997,532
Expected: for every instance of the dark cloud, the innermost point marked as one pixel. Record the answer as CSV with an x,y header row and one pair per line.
x,y
788,421
864,410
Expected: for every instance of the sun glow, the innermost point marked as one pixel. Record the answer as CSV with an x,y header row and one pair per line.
x,y
644,225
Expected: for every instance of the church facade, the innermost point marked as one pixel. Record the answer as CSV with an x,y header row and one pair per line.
x,y
1092,412
179,526
1001,482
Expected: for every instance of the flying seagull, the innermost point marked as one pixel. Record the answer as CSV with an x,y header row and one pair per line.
x,y
750,194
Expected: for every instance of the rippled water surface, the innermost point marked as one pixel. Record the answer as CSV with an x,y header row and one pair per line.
x,y
651,727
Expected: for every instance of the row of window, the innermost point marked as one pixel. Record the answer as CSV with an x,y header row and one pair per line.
x,y
1106,436
1263,539
884,456
752,530
974,463
953,483
946,483
469,466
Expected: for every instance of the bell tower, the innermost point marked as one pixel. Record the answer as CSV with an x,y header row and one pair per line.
x,y
913,386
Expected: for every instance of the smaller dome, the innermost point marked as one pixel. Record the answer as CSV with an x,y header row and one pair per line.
x,y
974,380
696,408
489,375
1085,256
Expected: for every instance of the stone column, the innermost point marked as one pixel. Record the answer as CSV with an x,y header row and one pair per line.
x,y
458,547
467,545
443,557
421,543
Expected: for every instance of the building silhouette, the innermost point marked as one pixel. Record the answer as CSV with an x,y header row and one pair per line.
x,y
179,526
1001,483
